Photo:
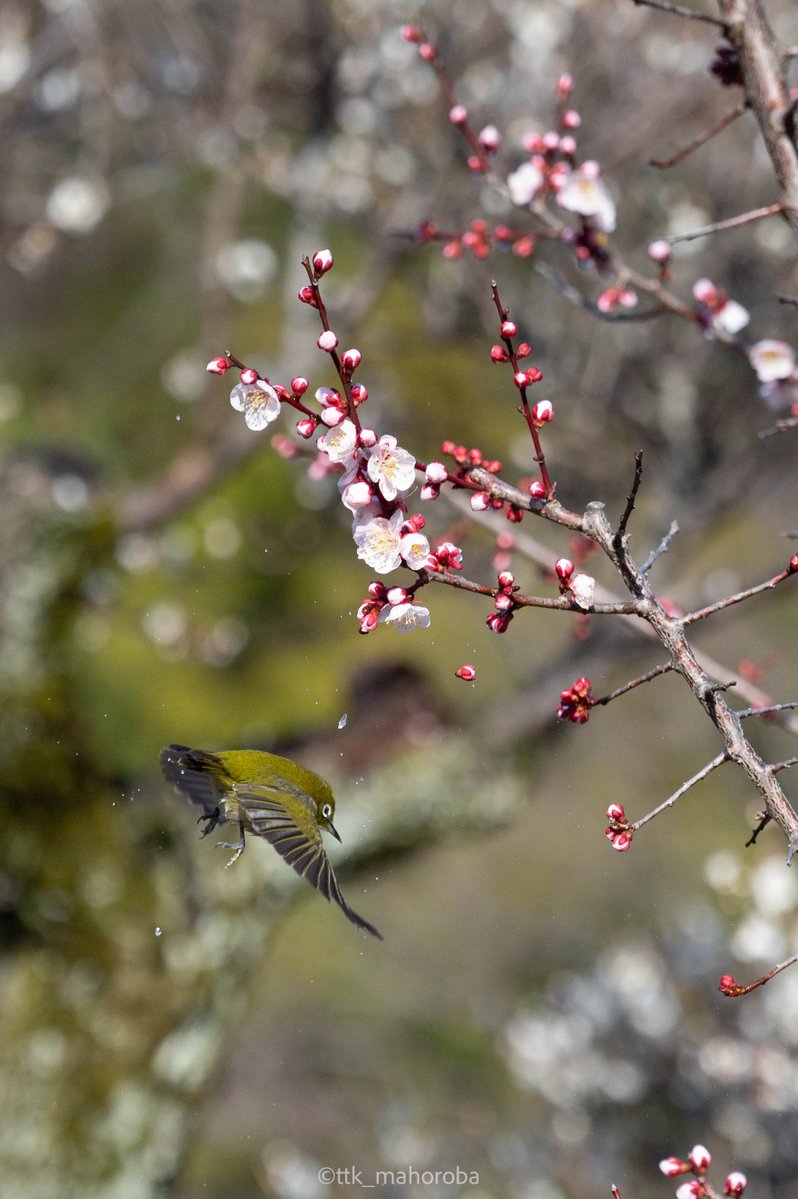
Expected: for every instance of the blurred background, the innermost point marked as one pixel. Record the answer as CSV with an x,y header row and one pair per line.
x,y
543,1013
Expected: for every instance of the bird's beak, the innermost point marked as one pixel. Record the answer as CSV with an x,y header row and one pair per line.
x,y
332,829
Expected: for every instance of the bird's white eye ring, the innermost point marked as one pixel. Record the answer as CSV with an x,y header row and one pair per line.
x,y
326,811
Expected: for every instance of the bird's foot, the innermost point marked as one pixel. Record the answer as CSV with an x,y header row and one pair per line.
x,y
212,819
238,846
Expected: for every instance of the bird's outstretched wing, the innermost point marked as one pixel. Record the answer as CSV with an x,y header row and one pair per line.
x,y
199,775
298,840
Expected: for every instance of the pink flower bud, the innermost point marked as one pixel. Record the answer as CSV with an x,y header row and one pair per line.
x,y
571,119
660,250
506,580
367,438
397,595
429,491
503,602
498,354
671,1167
620,841
700,1159
543,412
410,33
691,1190
369,617
327,341
351,359
617,813
533,375
568,146
520,379
468,673
564,85
564,568
322,261
490,139
436,472
729,986
524,350
509,328
307,295
551,140
218,366
359,393
735,1184
357,495
427,51
474,164
458,114
306,428
377,589
332,417
499,622
537,490
413,524
249,376
479,502
299,385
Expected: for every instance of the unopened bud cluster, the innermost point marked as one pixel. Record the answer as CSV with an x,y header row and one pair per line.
x,y
617,831
576,702
698,1162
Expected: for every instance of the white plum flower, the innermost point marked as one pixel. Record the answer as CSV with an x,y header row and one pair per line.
x,y
378,541
258,401
585,193
524,184
391,468
731,318
414,549
340,443
772,359
406,617
582,587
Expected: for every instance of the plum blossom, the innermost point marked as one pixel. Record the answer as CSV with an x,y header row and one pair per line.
x,y
772,359
391,468
378,541
258,401
582,587
414,549
406,617
584,192
524,183
340,443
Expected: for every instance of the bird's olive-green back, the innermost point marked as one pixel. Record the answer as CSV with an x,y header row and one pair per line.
x,y
253,766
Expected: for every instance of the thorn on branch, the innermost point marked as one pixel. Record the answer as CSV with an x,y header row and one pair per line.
x,y
764,820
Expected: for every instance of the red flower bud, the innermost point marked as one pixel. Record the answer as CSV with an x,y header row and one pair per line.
x,y
467,672
218,366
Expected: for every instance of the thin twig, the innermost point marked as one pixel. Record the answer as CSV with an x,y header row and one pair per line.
x,y
702,613
662,164
671,800
732,222
737,991
678,11
786,707
764,820
630,501
643,678
662,548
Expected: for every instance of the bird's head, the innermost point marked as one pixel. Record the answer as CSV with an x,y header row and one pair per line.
x,y
325,810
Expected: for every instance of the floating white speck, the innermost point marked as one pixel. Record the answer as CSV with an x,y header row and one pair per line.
x,y
158,931
342,721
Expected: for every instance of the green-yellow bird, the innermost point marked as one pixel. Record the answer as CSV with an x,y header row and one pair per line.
x,y
268,796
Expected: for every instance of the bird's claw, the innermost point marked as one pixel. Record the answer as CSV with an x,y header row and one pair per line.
x,y
212,819
238,846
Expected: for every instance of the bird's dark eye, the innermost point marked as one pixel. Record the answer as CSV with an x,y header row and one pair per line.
x,y
326,811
